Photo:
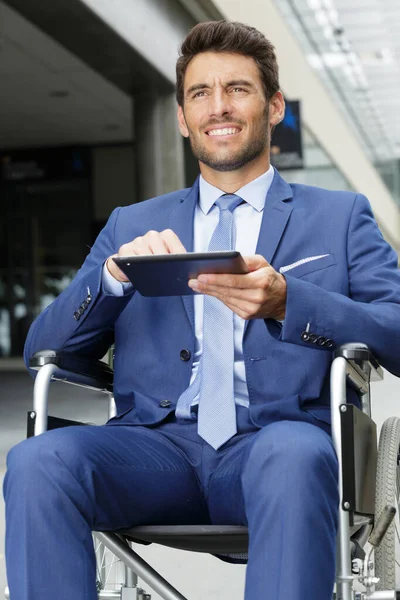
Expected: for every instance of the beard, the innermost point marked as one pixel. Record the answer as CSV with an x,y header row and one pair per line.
x,y
218,161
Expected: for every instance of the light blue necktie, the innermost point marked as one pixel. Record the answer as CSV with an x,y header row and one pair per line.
x,y
214,379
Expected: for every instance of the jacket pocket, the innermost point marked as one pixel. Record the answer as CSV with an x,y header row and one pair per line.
x,y
308,265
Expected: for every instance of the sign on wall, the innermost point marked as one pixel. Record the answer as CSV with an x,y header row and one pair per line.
x,y
286,143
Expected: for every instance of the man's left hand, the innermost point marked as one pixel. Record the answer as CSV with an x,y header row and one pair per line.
x,y
258,294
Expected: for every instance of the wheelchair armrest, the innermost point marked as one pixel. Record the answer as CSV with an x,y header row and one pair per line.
x,y
74,369
362,360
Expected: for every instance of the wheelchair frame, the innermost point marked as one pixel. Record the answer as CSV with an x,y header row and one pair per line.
x,y
353,365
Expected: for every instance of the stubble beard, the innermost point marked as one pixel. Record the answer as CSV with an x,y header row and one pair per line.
x,y
247,153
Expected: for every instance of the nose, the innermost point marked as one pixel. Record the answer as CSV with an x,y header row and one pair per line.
x,y
219,104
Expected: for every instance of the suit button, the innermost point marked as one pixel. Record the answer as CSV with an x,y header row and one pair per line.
x,y
165,403
80,310
77,316
185,355
313,338
321,341
305,336
329,343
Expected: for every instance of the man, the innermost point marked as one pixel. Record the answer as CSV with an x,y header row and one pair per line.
x,y
186,448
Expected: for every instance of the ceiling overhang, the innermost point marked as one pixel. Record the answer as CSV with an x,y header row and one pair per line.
x,y
87,36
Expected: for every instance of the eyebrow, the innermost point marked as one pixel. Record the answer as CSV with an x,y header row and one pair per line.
x,y
204,86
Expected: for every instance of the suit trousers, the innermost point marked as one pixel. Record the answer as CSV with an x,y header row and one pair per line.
x,y
280,481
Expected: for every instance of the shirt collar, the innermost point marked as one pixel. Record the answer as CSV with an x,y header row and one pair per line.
x,y
254,193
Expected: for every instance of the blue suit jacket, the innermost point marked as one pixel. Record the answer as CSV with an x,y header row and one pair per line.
x,y
350,294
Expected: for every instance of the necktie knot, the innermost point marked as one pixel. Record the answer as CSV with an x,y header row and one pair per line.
x,y
228,202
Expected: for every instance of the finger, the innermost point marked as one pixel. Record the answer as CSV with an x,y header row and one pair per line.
x,y
241,310
173,243
254,296
245,310
156,243
251,298
130,249
140,247
245,281
255,262
114,270
227,280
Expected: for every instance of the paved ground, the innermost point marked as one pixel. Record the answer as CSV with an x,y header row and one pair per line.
x,y
197,576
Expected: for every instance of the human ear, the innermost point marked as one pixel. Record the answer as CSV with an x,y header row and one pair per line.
x,y
276,109
182,122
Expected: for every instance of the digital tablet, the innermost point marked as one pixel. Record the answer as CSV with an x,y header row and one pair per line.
x,y
168,274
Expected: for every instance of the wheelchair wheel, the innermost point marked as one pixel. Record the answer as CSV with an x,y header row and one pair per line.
x,y
110,571
387,566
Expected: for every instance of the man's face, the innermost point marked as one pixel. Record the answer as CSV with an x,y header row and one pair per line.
x,y
225,114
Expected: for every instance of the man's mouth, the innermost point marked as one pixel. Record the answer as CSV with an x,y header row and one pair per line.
x,y
223,131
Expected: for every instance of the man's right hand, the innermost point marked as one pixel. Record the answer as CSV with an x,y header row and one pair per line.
x,y
153,242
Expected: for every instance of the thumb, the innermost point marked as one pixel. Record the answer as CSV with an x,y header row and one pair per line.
x,y
255,262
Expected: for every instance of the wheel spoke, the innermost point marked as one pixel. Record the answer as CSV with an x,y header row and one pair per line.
x,y
113,562
107,571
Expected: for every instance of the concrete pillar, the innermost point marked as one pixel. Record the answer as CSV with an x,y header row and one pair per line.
x,y
159,145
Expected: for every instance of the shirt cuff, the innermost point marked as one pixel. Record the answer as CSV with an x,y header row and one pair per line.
x,y
112,286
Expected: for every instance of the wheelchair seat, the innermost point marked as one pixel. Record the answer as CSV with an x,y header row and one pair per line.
x,y
213,539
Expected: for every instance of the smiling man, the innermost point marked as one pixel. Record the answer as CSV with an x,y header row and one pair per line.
x,y
234,112
223,396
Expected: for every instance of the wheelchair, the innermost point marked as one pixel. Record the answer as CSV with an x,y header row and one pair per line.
x,y
369,488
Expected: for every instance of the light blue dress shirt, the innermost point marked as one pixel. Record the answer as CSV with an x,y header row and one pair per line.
x,y
247,217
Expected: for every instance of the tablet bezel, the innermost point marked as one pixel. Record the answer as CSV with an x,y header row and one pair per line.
x,y
168,274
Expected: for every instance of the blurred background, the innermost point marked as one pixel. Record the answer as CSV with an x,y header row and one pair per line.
x,y
87,123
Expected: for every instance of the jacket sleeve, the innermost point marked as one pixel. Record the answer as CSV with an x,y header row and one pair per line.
x,y
81,319
371,313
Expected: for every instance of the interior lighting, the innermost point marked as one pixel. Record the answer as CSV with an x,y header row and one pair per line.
x,y
322,18
333,15
314,4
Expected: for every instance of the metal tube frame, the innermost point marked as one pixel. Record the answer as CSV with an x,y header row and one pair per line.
x,y
140,566
41,396
131,578
344,575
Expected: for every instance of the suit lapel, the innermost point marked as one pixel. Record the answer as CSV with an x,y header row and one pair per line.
x,y
276,213
182,222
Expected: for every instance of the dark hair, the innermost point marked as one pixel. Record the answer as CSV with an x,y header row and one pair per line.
x,y
229,36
